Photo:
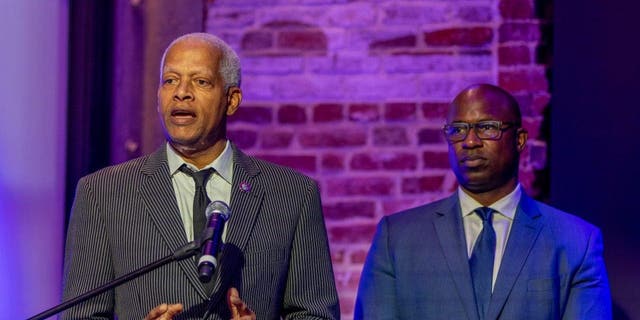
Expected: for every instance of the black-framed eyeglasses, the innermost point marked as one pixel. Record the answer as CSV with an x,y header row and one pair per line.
x,y
485,130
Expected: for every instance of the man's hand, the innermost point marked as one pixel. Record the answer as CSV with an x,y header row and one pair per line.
x,y
239,309
164,312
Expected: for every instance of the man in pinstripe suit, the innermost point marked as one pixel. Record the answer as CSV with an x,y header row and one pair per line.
x,y
276,254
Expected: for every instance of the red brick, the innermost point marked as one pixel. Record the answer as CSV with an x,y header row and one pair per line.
x,y
236,18
400,161
532,125
470,37
338,256
302,40
451,186
401,42
435,160
327,112
257,40
523,80
398,14
540,103
400,111
347,210
243,138
391,161
475,14
371,186
250,114
514,55
286,24
516,9
292,114
358,256
351,234
393,206
422,184
537,156
341,275
532,104
334,162
430,136
334,138
343,284
527,179
363,112
301,163
524,156
435,110
390,136
347,303
525,100
276,139
354,280
442,51
363,161
519,31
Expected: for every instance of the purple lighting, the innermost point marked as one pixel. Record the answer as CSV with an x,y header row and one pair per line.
x,y
32,141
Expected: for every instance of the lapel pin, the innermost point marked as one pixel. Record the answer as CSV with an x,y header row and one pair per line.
x,y
245,186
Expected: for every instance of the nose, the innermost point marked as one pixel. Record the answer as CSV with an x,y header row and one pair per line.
x,y
183,91
472,140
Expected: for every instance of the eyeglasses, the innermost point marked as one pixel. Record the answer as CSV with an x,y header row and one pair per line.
x,y
485,130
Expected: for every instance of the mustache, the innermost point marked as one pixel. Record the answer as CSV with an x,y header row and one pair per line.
x,y
467,156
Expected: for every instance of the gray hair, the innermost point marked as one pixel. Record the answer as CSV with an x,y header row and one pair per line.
x,y
229,62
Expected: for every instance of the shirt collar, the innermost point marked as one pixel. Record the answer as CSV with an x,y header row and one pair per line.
x,y
223,164
506,206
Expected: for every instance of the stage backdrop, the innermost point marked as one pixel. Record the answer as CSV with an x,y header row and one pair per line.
x,y
354,94
33,87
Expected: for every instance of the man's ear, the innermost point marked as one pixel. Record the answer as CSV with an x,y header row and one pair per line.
x,y
234,97
521,138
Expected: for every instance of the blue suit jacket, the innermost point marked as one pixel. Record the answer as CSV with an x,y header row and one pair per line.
x,y
417,267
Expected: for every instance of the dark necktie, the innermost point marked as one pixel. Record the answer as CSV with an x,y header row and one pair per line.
x,y
481,261
200,202
200,199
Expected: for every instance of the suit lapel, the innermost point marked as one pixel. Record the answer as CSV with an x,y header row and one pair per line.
x,y
156,191
450,232
246,200
524,232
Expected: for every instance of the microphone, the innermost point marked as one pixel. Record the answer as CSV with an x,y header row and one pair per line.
x,y
217,213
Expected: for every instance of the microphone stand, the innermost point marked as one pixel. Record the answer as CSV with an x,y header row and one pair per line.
x,y
186,251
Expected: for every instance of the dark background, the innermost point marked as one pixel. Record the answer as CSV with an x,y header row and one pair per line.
x,y
595,143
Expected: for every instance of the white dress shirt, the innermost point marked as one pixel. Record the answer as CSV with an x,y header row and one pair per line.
x,y
218,186
504,212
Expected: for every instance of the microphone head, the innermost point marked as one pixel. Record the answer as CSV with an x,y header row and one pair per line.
x,y
218,207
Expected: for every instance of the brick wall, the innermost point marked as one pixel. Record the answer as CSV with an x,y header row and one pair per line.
x,y
354,93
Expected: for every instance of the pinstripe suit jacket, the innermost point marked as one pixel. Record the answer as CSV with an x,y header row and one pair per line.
x,y
418,268
276,251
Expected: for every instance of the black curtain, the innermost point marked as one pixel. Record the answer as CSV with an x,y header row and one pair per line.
x,y
89,93
595,150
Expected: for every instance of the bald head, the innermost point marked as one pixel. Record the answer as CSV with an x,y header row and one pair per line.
x,y
487,95
486,165
229,62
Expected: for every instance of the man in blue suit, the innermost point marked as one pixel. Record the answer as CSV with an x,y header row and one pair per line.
x,y
489,251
